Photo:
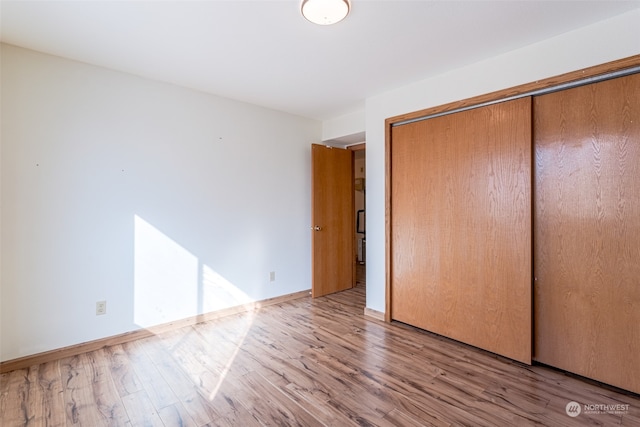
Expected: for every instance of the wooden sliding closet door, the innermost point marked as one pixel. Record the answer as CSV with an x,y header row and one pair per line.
x,y
587,231
461,226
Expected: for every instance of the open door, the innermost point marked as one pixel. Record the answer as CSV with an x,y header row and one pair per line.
x,y
332,226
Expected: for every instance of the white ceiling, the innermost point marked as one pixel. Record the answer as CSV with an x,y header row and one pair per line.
x,y
264,52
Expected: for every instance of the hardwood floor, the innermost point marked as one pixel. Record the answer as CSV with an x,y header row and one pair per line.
x,y
304,362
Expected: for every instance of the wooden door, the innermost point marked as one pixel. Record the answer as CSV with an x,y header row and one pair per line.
x,y
461,226
587,231
333,254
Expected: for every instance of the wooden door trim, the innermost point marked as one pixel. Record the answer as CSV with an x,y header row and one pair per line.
x,y
387,220
548,83
597,70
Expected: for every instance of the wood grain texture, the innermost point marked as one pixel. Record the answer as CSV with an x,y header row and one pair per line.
x,y
461,227
587,231
333,194
302,362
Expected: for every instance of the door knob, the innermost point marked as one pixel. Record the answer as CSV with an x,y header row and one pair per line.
x,y
316,228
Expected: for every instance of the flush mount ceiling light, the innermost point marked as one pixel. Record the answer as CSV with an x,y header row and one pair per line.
x,y
325,12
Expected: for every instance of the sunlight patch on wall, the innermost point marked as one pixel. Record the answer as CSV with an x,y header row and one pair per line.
x,y
170,283
218,293
165,277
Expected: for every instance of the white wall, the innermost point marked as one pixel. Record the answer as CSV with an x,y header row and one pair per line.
x,y
348,124
602,42
163,201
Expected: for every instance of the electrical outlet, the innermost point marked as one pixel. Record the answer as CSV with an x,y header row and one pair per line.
x,y
272,276
101,308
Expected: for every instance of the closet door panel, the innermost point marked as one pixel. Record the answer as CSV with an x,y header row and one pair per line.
x,y
587,231
461,226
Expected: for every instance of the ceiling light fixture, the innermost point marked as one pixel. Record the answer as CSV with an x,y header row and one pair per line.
x,y
325,12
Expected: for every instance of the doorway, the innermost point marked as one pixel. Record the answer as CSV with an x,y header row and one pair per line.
x,y
338,220
360,237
